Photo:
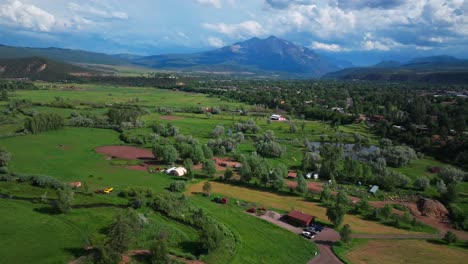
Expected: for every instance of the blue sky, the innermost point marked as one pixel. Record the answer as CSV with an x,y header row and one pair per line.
x,y
364,31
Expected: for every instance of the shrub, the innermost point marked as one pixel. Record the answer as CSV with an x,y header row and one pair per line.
x,y
398,156
422,183
177,186
450,237
452,175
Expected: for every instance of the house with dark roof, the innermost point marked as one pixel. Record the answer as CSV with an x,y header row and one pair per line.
x,y
298,218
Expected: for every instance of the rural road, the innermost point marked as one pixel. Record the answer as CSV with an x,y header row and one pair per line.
x,y
324,240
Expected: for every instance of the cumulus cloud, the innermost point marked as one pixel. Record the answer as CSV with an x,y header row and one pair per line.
x,y
358,4
327,47
215,42
244,29
15,13
95,12
212,3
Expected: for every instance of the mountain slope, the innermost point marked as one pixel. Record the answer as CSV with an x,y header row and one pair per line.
x,y
36,68
441,69
63,55
264,56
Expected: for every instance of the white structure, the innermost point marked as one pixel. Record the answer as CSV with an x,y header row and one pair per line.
x,y
312,175
179,171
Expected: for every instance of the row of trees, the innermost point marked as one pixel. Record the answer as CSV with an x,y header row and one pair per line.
x,y
44,122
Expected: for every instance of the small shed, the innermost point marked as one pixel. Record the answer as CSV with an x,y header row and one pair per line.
x,y
299,218
292,174
374,189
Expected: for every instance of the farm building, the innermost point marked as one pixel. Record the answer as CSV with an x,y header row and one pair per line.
x,y
277,118
298,218
179,171
292,174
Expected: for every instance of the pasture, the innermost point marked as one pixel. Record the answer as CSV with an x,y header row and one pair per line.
x,y
400,251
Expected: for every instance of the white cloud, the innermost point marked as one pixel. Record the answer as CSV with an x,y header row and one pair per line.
x,y
212,3
327,47
216,42
16,13
241,30
95,12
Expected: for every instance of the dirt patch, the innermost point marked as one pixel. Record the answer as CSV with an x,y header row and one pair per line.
x,y
64,147
170,117
221,164
429,207
126,152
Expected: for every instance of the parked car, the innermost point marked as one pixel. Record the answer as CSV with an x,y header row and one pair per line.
x,y
316,227
310,229
308,235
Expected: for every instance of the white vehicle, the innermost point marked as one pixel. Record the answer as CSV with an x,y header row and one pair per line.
x,y
308,235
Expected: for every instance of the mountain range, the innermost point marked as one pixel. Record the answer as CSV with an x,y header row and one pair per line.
x,y
269,58
441,69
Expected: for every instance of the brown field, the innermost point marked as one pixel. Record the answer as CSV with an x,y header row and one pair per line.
x,y
405,251
293,202
170,117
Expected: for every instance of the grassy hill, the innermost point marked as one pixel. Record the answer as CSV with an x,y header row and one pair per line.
x,y
36,68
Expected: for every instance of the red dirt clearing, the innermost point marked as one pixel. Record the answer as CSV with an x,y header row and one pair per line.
x,y
126,152
170,117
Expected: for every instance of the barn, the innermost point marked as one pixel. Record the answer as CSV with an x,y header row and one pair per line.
x,y
298,218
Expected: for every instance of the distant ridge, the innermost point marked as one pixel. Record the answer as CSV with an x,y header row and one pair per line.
x,y
62,55
37,68
440,69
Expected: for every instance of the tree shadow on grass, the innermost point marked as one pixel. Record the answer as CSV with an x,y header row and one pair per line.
x,y
47,210
76,252
192,247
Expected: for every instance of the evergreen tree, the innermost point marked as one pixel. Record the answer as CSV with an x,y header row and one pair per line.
x,y
345,233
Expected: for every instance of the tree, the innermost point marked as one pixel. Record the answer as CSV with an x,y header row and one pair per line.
x,y
120,234
160,252
4,96
452,194
65,197
441,187
209,168
188,164
386,211
422,183
177,186
167,153
337,210
198,154
301,187
363,206
207,152
398,156
325,195
228,174
345,233
210,237
217,131
207,188
452,175
311,162
450,237
5,157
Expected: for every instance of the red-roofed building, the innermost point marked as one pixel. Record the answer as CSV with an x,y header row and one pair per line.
x,y
292,174
298,218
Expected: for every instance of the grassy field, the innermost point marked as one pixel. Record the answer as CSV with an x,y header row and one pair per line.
x,y
76,160
399,251
287,203
107,94
29,236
